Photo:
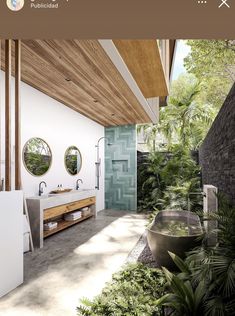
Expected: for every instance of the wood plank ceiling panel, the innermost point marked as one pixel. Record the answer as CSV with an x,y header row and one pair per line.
x,y
143,60
79,74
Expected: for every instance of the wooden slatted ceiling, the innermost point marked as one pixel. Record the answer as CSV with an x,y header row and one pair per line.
x,y
79,74
143,60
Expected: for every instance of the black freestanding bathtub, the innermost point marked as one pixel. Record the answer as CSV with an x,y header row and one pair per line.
x,y
174,231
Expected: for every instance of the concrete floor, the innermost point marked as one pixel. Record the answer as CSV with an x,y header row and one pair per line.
x,y
73,264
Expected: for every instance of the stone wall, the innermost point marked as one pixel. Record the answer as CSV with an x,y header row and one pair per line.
x,y
217,153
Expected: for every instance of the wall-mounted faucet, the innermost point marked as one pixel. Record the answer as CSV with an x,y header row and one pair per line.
x,y
77,184
98,162
40,191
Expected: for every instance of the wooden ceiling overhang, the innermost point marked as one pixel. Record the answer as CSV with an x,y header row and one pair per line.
x,y
143,59
79,74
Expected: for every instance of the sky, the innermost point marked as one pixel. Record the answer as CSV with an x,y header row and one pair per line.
x,y
182,51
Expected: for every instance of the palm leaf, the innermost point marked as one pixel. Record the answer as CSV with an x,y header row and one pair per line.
x,y
180,263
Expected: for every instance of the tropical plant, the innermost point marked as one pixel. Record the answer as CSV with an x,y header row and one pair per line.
x,y
166,179
133,291
226,223
213,64
216,264
185,120
150,133
150,183
177,197
206,283
184,299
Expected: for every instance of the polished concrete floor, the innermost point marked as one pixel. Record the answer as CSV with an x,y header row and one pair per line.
x,y
73,264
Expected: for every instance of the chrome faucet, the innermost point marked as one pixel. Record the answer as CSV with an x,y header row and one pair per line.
x,y
40,187
77,184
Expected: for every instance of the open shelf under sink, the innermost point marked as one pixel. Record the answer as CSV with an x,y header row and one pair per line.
x,y
62,224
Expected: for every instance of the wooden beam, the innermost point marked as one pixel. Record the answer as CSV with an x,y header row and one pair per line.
x,y
8,115
17,115
143,60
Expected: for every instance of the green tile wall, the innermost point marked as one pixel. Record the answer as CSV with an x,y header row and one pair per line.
x,y
121,168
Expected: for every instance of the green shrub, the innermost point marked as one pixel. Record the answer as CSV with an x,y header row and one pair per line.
x,y
165,181
133,291
206,284
216,265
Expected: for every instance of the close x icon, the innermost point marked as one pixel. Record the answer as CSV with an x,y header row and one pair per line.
x,y
224,3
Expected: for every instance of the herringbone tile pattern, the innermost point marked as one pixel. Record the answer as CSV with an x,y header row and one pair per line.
x,y
121,168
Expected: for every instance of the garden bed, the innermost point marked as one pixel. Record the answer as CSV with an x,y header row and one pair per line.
x,y
133,291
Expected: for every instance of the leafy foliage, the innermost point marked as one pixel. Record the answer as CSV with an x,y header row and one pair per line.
x,y
133,291
186,119
167,179
184,299
217,265
206,283
211,58
213,63
150,183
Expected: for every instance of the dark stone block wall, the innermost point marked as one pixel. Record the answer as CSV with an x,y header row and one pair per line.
x,y
217,153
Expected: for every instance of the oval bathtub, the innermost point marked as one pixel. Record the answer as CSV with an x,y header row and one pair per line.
x,y
174,231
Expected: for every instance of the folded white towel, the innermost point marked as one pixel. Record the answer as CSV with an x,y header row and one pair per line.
x,y
50,225
73,216
71,219
85,208
74,213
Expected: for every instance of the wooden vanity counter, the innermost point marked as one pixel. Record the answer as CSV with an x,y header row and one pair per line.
x,y
53,208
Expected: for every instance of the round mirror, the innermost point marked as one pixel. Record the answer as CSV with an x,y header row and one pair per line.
x,y
37,156
73,160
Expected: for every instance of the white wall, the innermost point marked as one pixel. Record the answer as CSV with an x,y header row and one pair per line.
x,y
11,241
60,127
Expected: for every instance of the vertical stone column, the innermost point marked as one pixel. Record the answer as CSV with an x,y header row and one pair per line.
x,y
210,205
